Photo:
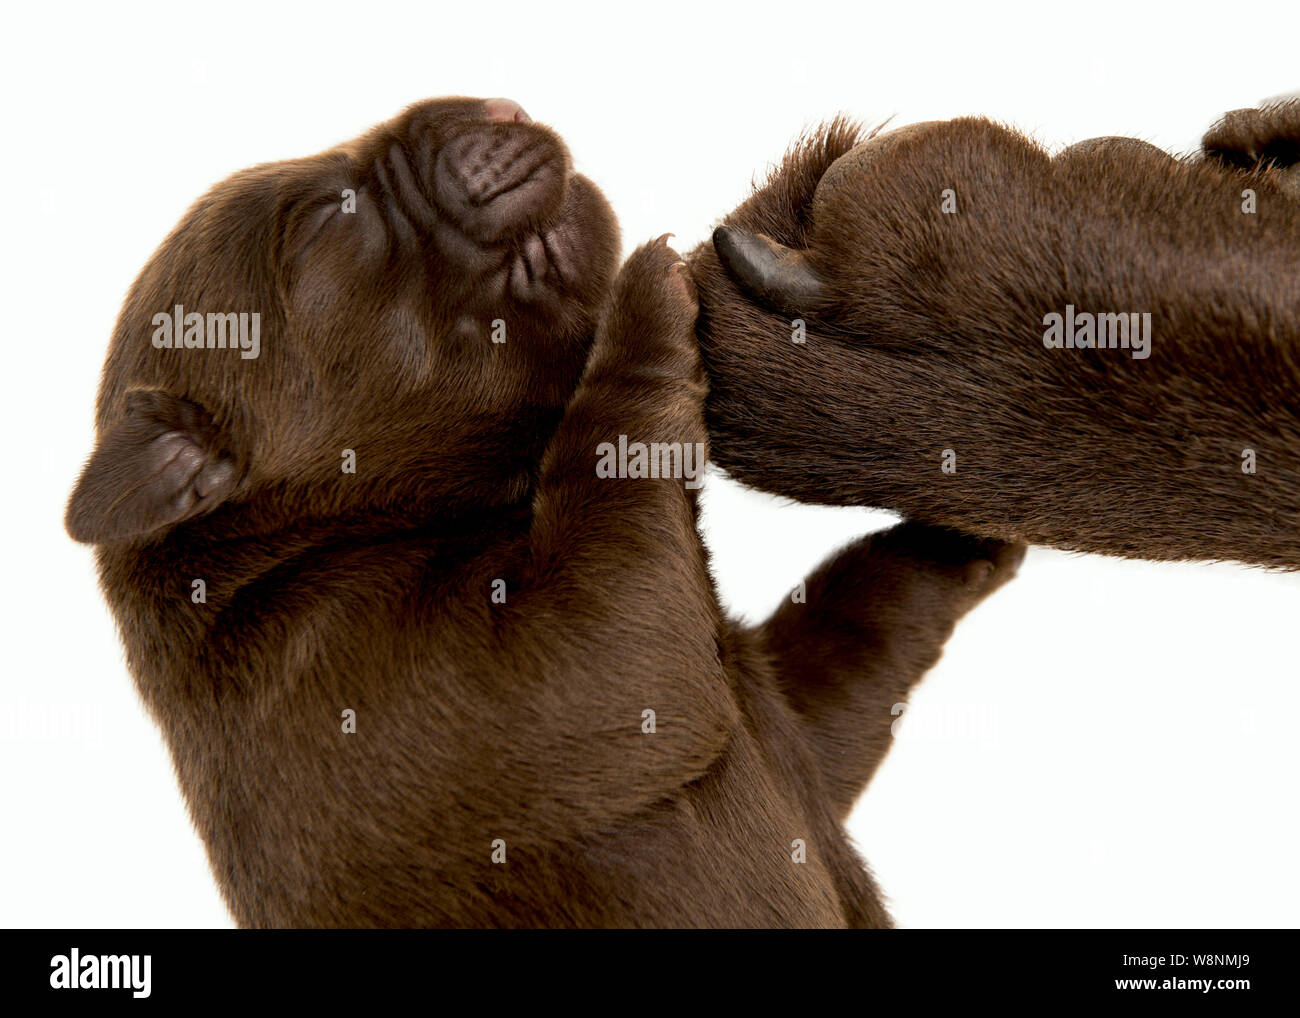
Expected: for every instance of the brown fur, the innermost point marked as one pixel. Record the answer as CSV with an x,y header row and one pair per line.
x,y
928,337
371,592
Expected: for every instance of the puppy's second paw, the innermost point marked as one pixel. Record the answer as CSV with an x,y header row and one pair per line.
x,y
998,563
958,568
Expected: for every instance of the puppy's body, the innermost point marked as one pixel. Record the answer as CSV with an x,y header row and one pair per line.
x,y
926,262
493,619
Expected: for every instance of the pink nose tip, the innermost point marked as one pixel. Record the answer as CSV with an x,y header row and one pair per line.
x,y
505,111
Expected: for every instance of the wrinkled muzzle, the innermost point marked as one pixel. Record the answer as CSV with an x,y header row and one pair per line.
x,y
500,179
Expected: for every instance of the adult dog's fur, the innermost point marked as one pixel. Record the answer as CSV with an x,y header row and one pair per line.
x,y
923,263
503,770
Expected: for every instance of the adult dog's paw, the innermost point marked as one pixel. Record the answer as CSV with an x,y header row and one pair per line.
x,y
1261,138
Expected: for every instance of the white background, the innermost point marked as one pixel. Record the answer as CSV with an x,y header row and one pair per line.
x,y
1104,743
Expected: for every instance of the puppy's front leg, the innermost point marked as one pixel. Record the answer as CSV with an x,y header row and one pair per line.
x,y
616,598
874,621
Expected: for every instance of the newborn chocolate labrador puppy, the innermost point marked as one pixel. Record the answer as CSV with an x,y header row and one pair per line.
x,y
426,652
1098,351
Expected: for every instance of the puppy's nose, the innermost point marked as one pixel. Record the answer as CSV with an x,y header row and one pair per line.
x,y
505,111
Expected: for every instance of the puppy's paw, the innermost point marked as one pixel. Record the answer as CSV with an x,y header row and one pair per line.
x,y
655,303
998,563
958,567
656,269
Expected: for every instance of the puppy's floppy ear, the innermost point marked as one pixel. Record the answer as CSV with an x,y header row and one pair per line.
x,y
163,462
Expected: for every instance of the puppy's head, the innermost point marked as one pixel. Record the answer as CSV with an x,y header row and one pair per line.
x,y
397,322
